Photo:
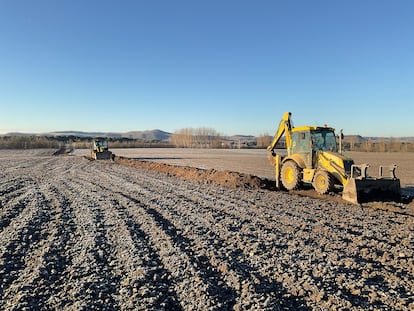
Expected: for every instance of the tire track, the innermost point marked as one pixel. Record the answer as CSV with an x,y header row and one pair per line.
x,y
137,277
174,245
25,236
225,260
223,297
219,265
92,281
44,289
13,208
177,256
140,263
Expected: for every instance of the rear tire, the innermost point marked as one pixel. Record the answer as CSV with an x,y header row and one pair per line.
x,y
290,175
323,182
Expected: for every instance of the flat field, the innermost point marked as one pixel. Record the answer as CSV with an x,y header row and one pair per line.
x,y
255,162
80,235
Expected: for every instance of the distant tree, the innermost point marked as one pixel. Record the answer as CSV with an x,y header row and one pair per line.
x,y
263,140
182,138
196,138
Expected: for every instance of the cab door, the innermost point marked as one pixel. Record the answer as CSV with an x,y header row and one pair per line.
x,y
301,145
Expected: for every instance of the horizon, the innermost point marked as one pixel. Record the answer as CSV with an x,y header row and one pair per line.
x,y
233,66
153,130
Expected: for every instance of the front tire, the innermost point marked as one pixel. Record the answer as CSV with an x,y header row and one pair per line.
x,y
290,175
323,182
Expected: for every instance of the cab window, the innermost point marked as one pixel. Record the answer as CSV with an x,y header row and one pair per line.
x,y
324,140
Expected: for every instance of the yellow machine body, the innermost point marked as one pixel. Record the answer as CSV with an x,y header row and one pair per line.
x,y
313,157
99,150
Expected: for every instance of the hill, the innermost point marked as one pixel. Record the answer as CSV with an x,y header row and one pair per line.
x,y
82,134
148,135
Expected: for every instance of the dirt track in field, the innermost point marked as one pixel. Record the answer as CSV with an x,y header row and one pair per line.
x,y
79,234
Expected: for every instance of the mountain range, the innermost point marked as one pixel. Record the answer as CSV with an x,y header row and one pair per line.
x,y
149,135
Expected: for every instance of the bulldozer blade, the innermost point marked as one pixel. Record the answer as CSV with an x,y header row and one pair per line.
x,y
372,189
106,155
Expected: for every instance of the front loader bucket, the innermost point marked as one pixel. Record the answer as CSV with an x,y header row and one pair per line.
x,y
372,189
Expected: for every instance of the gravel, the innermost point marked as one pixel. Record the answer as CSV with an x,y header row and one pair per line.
x,y
79,234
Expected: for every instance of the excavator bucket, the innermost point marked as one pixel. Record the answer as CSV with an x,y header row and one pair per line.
x,y
360,188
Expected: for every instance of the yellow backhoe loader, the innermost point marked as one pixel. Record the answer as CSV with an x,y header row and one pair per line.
x,y
313,157
99,150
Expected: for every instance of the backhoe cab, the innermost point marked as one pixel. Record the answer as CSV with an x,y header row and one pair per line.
x,y
313,157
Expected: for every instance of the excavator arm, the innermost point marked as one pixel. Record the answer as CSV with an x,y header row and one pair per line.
x,y
285,127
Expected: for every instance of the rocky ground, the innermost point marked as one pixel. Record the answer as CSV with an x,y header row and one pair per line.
x,y
80,234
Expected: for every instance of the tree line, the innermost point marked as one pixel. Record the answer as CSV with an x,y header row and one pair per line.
x,y
391,145
184,138
28,142
368,145
196,138
56,142
188,138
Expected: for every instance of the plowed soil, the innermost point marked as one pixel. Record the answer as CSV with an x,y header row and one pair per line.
x,y
80,234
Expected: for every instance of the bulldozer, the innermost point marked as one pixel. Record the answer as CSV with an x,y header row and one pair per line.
x,y
314,157
99,150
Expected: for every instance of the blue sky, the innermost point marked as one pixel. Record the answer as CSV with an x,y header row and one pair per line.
x,y
232,65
